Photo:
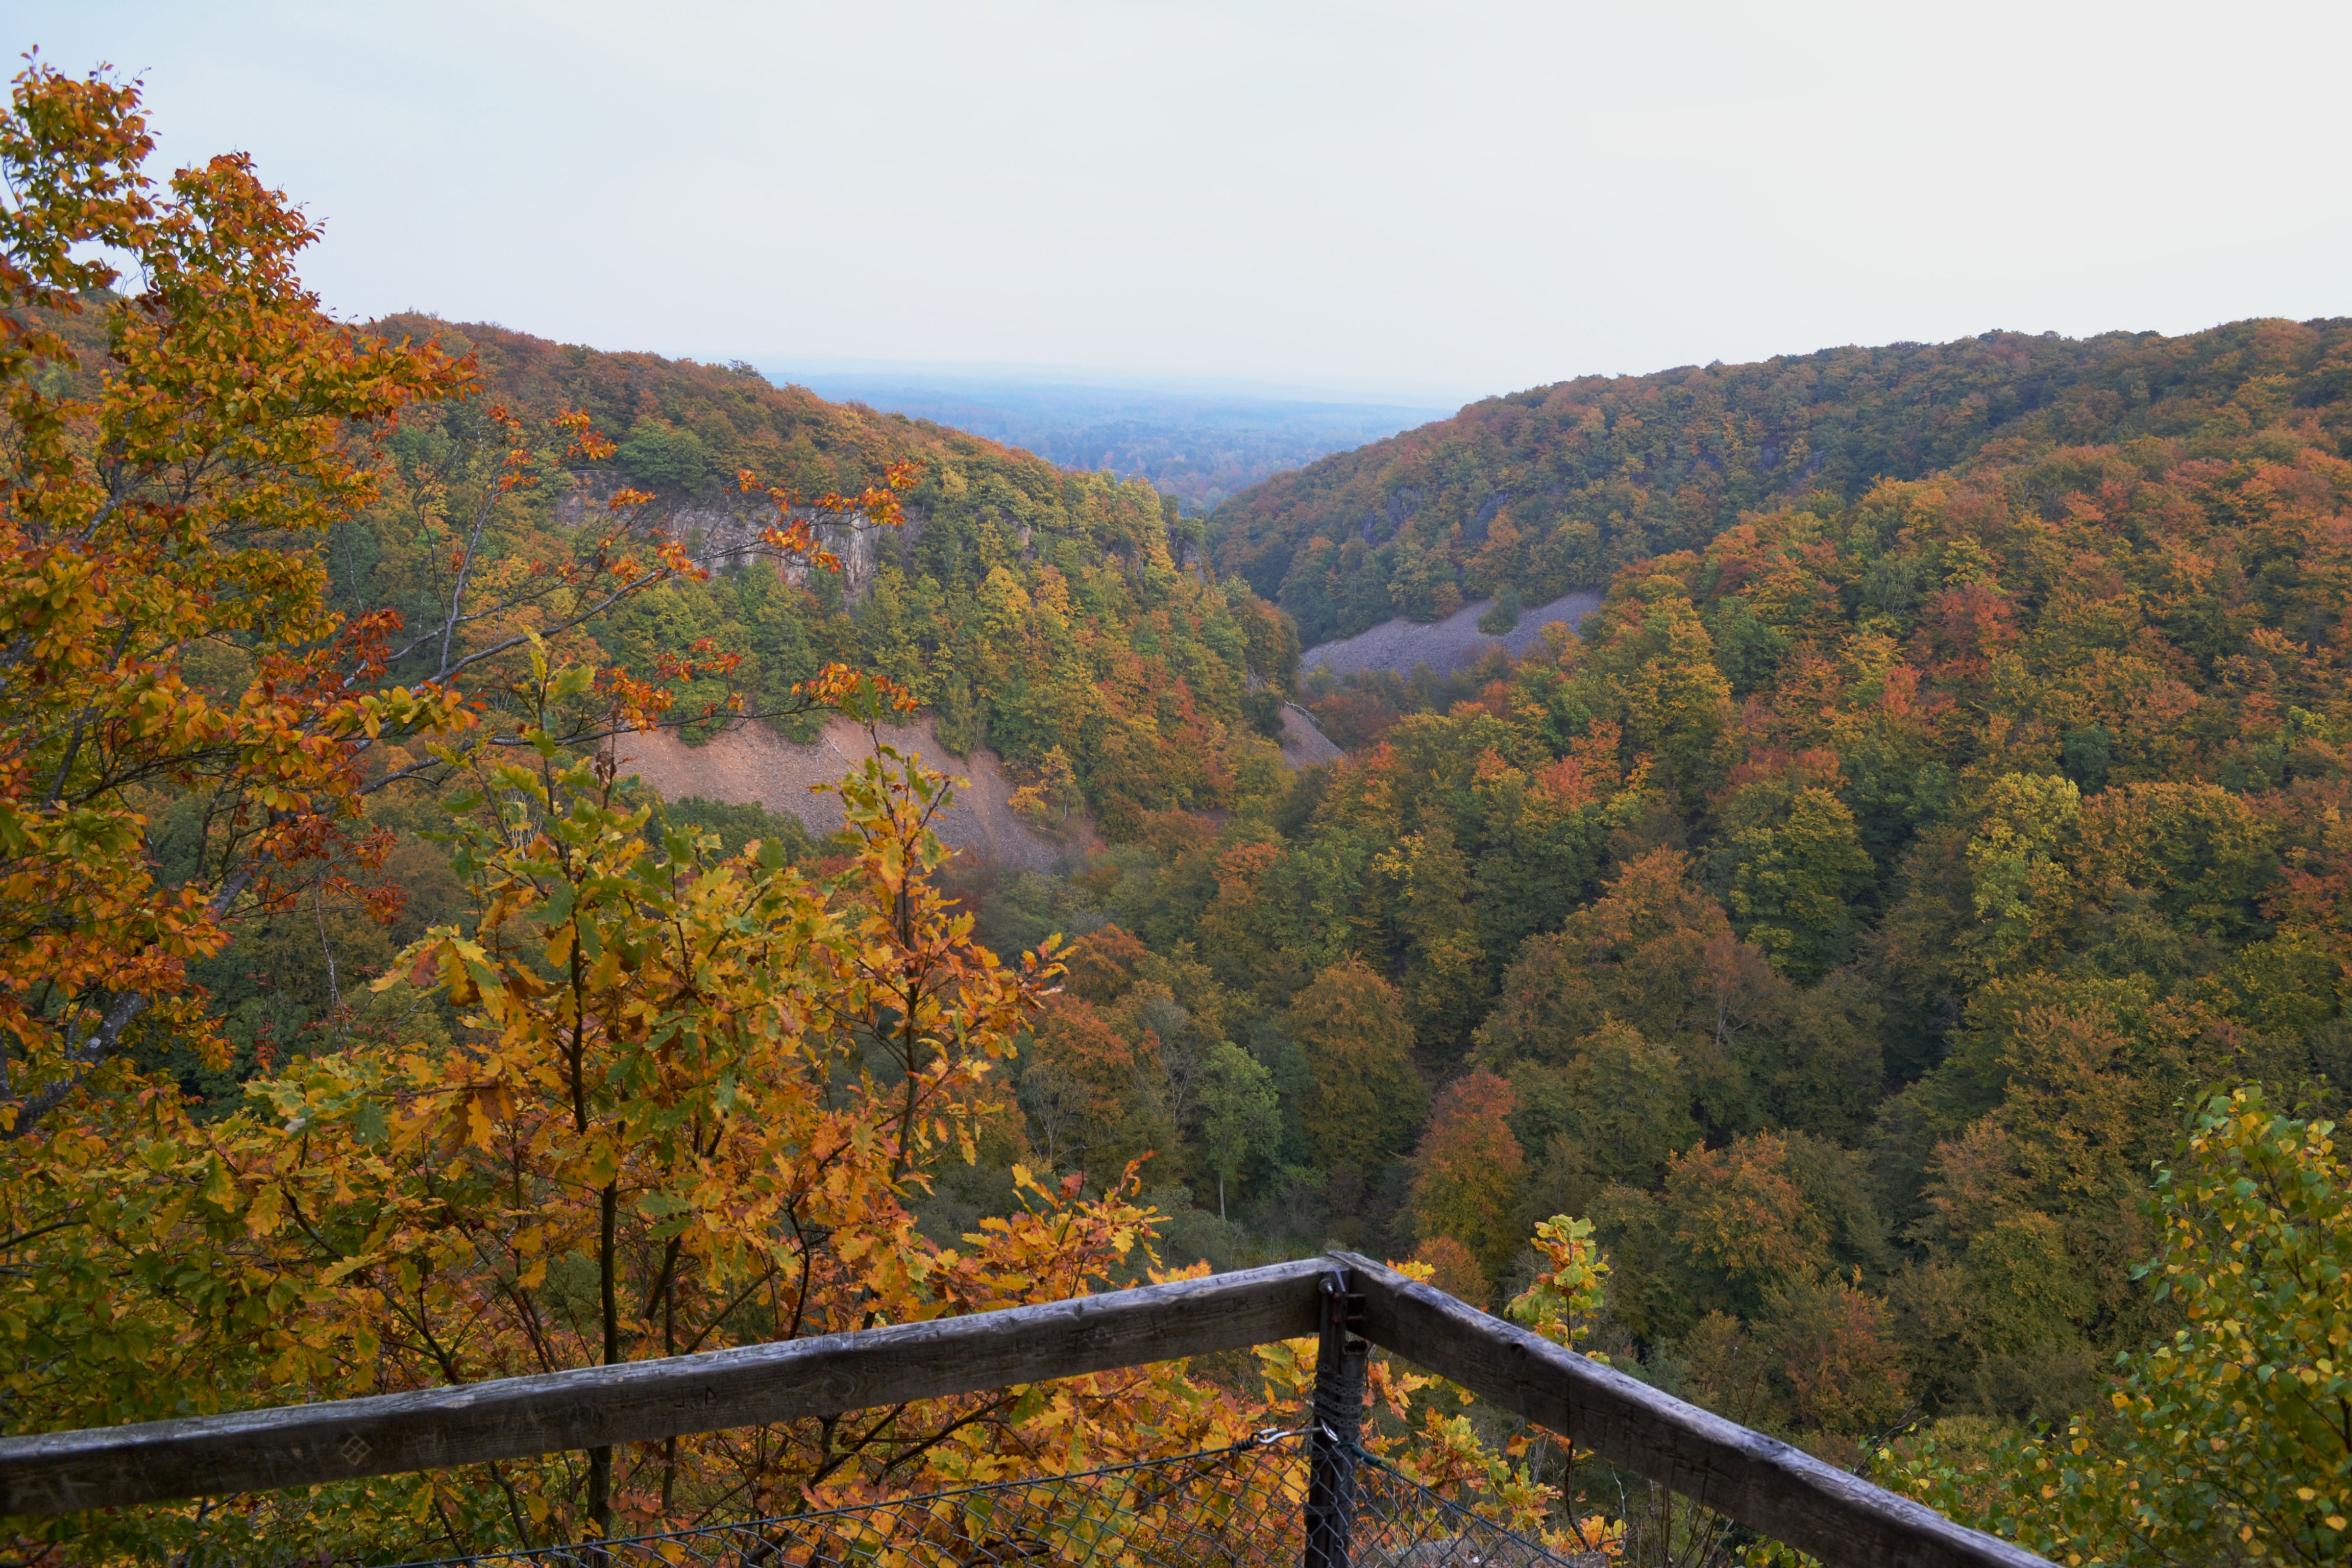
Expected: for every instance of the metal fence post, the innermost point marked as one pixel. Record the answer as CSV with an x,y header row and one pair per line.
x,y
1336,1418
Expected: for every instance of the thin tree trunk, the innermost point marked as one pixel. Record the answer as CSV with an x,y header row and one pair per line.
x,y
600,1460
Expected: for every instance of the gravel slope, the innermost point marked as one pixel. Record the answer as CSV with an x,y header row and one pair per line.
x,y
753,763
1302,744
1399,644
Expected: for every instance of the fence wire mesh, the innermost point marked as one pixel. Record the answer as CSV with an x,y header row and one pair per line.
x,y
1244,1505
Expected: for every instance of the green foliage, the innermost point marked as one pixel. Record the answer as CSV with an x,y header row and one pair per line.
x,y
1568,1293
1502,615
735,826
1242,1119
1654,957
2226,1441
1264,711
1617,1109
1796,871
1367,1097
658,455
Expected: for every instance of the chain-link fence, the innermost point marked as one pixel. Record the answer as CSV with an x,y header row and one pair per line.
x,y
1244,1505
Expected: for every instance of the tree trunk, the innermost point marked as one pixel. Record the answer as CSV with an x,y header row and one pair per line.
x,y
600,1460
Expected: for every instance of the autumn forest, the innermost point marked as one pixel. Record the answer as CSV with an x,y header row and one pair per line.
x,y
1885,976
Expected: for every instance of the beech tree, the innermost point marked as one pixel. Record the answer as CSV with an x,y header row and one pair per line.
x,y
1369,1096
1242,1119
1467,1170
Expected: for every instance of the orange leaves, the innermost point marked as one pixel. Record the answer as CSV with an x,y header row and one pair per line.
x,y
797,541
1844,1365
793,535
74,150
1741,1211
861,696
1239,868
639,704
485,1109
1467,1168
878,503
584,445
1455,1269
223,413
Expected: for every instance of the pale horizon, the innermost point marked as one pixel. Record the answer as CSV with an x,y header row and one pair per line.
x,y
1362,203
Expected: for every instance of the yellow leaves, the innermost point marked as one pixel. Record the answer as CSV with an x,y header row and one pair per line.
x,y
704,1066
344,1269
486,1110
218,1186
261,1215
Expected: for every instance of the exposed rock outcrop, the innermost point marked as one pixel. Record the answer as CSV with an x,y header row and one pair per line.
x,y
727,527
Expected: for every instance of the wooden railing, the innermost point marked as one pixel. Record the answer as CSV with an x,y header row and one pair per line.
x,y
1765,1484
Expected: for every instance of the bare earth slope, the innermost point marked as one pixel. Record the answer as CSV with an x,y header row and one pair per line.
x,y
1302,744
1400,644
751,762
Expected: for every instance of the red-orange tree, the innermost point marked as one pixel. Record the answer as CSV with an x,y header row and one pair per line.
x,y
152,503
173,461
1466,1171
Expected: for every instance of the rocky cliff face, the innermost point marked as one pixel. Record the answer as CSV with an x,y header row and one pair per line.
x,y
725,530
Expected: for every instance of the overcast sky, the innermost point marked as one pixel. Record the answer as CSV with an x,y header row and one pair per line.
x,y
1429,201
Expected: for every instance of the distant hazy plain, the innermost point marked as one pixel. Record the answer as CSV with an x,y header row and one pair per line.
x,y
1199,447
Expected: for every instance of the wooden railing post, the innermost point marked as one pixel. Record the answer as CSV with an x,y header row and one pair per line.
x,y
1779,1491
1336,1418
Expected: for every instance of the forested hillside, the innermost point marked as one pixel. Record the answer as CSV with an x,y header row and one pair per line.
x,y
1556,487
1061,618
1847,921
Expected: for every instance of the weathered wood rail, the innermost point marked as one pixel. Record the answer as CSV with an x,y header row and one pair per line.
x,y
1765,1484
